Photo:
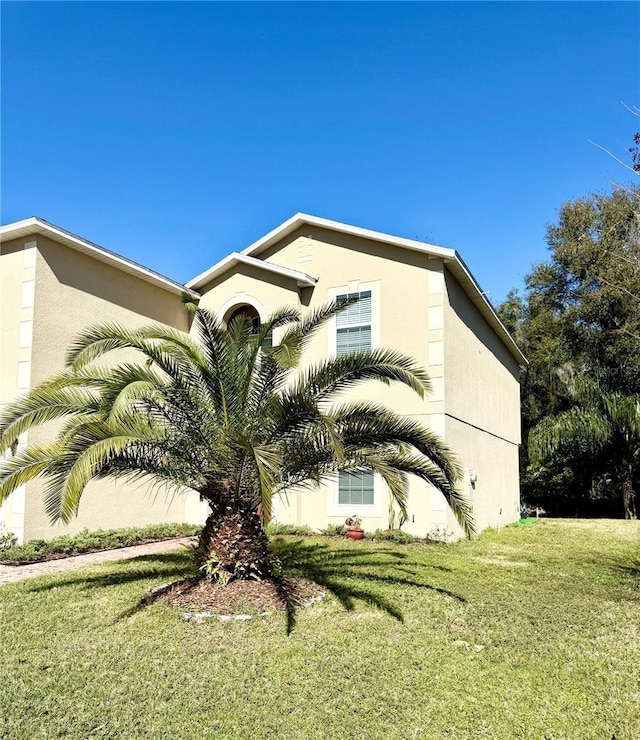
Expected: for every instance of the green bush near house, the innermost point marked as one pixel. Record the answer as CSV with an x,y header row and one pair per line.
x,y
87,541
334,530
392,535
296,530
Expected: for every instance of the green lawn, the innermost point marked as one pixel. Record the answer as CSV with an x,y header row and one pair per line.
x,y
556,607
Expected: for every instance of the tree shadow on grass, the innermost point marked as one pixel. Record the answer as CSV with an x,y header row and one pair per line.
x,y
633,570
618,564
170,565
352,574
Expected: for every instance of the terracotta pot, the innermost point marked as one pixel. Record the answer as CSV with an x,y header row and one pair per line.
x,y
355,534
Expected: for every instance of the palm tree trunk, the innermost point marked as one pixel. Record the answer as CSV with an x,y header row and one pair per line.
x,y
233,544
628,495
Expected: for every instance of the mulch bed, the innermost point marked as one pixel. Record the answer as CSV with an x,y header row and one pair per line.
x,y
273,594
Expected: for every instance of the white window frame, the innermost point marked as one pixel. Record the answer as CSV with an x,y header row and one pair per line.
x,y
355,286
346,322
370,511
334,508
245,299
358,473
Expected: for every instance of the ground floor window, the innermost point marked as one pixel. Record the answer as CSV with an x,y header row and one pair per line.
x,y
355,488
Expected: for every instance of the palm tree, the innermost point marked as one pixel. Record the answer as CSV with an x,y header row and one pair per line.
x,y
601,422
226,416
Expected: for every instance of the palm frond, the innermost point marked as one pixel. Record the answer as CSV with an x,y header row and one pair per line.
x,y
219,414
87,464
422,468
362,424
26,465
577,425
48,402
98,341
169,356
268,460
334,376
296,339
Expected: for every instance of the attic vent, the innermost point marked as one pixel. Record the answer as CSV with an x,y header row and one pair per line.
x,y
305,249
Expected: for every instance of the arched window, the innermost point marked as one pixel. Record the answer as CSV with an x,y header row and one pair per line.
x,y
248,311
254,317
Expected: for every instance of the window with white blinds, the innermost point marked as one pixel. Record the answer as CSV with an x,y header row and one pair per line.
x,y
354,324
355,488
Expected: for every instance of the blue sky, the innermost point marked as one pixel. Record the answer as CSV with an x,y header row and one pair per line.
x,y
174,133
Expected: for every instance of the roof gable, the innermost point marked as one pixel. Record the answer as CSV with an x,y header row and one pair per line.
x,y
250,256
301,278
33,226
454,263
304,219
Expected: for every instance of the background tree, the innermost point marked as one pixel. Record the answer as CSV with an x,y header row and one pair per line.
x,y
605,423
228,418
579,316
634,151
591,285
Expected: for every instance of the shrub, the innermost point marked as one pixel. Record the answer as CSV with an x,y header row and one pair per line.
x,y
86,541
392,535
275,528
7,539
334,530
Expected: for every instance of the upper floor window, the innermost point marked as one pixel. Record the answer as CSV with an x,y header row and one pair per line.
x,y
354,324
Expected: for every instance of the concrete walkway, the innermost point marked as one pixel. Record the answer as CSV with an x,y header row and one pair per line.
x,y
13,573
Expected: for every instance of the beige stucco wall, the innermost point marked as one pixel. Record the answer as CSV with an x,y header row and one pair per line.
x,y
246,284
482,409
482,384
72,292
495,496
418,308
17,274
408,293
399,280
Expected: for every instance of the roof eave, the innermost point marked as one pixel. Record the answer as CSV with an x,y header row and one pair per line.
x,y
301,279
34,225
478,298
305,219
450,256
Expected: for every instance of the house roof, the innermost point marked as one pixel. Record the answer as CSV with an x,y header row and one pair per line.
x,y
301,278
32,226
249,256
451,258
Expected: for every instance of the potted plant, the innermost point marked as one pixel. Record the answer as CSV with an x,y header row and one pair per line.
x,y
354,527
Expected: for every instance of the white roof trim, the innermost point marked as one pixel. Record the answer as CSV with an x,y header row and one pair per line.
x,y
34,225
452,259
302,219
302,279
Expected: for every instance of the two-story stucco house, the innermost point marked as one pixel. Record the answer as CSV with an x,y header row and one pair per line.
x,y
416,297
